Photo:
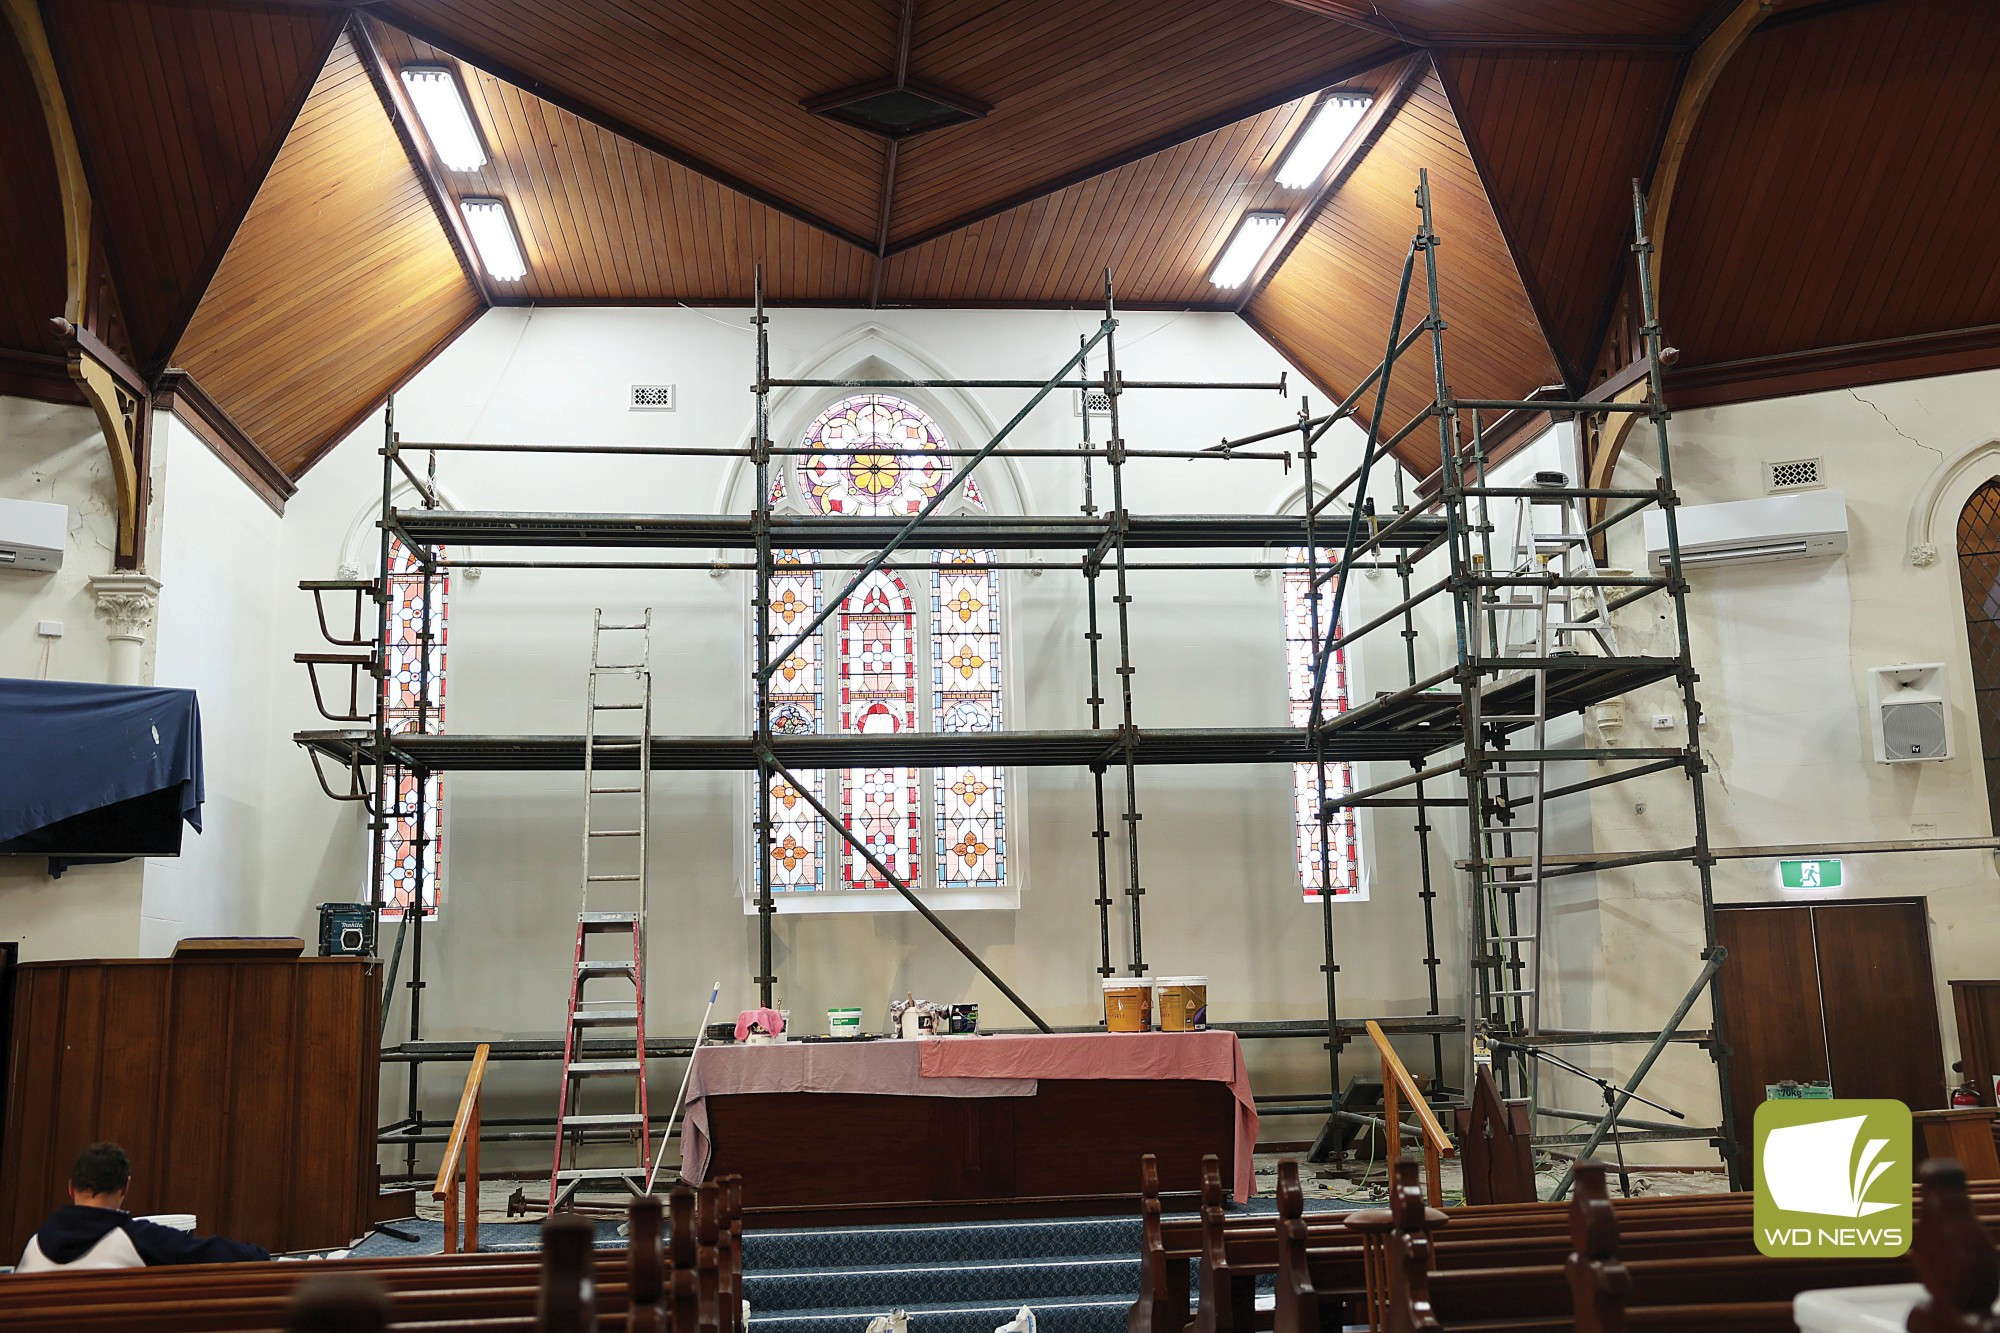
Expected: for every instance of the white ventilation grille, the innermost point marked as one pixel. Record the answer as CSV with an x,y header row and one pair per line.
x,y
652,398
1797,474
1095,402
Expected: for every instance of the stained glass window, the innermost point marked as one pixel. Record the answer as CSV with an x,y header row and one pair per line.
x,y
878,696
798,844
1979,581
966,696
871,459
1344,861
414,705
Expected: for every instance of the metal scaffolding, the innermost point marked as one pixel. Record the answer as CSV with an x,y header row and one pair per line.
x,y
1448,726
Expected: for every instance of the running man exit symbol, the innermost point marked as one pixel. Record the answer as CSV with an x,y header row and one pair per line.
x,y
1823,874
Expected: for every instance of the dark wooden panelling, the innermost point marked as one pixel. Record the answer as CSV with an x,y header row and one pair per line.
x,y
32,257
1559,136
1077,87
1976,1005
1838,185
603,218
1657,19
1876,985
1329,305
340,280
178,110
1159,224
245,1092
1770,1005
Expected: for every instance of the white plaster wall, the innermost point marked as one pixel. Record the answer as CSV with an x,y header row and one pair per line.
x,y
1216,842
219,569
1783,651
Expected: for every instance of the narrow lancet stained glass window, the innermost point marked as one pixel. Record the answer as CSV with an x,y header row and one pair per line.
x,y
878,696
1979,582
1344,859
873,458
798,842
965,686
415,705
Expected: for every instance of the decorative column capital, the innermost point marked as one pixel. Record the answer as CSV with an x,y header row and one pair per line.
x,y
128,603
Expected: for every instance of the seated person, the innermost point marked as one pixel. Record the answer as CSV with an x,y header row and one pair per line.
x,y
94,1231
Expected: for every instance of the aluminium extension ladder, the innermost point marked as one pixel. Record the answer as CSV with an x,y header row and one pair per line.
x,y
1550,607
607,993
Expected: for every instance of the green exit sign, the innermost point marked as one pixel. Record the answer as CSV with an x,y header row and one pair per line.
x,y
1809,874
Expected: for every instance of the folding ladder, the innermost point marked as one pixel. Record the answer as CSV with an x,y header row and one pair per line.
x,y
1547,607
607,993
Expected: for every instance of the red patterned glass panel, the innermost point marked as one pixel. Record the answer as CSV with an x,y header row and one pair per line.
x,y
878,695
1979,582
416,704
1345,858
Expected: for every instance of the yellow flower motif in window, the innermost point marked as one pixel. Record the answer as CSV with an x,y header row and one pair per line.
x,y
874,473
789,606
789,853
969,789
792,666
967,661
964,605
970,849
784,794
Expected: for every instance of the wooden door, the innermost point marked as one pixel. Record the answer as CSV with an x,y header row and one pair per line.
x,y
1770,1004
1876,989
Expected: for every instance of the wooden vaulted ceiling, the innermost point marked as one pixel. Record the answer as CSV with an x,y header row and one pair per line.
x,y
278,231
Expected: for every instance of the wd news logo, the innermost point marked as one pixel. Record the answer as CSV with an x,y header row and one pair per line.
x,y
1833,1178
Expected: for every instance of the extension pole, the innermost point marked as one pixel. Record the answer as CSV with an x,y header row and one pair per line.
x,y
681,1096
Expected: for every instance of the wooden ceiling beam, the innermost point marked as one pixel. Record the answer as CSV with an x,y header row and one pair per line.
x,y
1356,148
1159,144
889,157
423,159
1358,15
395,16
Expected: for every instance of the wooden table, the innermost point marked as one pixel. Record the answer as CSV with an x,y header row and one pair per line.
x,y
1068,1146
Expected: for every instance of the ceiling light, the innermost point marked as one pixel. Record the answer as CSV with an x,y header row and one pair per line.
x,y
434,91
493,237
1324,134
1254,235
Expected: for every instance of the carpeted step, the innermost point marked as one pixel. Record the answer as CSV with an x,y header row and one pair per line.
x,y
1020,1281
1090,1314
968,1242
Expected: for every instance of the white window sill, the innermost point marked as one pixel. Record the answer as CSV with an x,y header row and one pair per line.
x,y
887,900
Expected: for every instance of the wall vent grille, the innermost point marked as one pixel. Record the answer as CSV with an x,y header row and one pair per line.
x,y
652,398
1093,402
1797,474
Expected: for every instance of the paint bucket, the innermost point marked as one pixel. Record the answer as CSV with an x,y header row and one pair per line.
x,y
1128,1004
843,1022
1183,1004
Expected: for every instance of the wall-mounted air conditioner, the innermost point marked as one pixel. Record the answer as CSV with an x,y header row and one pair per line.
x,y
1777,527
32,534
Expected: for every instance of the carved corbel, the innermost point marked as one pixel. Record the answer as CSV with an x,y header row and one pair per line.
x,y
118,396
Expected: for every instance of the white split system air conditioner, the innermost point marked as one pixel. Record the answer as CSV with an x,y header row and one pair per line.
x,y
1745,532
32,535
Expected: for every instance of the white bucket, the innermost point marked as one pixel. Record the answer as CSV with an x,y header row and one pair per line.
x,y
843,1022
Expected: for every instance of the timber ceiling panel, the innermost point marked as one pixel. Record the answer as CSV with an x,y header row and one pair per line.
x,y
1329,305
1076,88
1159,223
1559,136
33,289
1841,187
603,219
178,110
1655,19
341,279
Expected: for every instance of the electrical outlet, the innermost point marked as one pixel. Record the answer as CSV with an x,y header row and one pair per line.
x,y
49,629
1663,722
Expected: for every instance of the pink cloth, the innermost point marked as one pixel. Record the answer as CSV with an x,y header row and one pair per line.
x,y
883,1068
770,1020
1209,1056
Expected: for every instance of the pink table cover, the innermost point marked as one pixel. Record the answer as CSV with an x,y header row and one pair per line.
x,y
883,1068
1208,1056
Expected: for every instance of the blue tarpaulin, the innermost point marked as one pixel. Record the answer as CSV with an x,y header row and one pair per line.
x,y
68,749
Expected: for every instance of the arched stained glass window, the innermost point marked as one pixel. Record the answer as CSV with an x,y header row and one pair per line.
x,y
1979,581
872,459
862,671
966,696
414,706
1344,859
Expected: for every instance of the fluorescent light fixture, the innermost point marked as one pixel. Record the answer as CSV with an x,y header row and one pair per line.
x,y
1254,235
1324,134
493,237
434,91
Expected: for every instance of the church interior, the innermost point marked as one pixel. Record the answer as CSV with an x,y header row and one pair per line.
x,y
1237,666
